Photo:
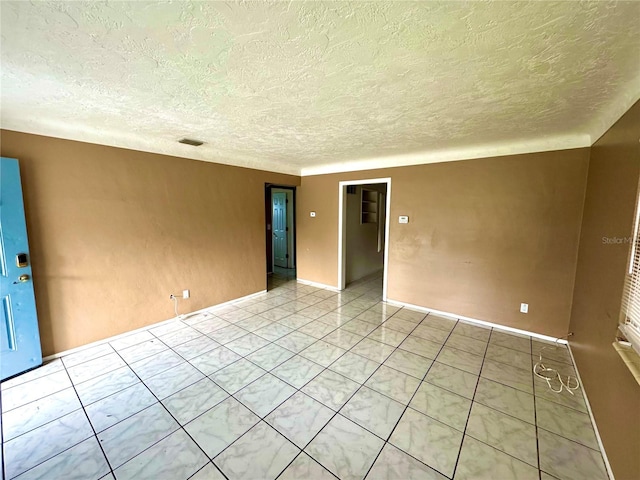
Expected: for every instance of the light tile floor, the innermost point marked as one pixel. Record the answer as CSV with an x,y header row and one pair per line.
x,y
298,383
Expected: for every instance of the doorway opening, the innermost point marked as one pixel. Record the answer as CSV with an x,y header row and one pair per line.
x,y
363,230
280,215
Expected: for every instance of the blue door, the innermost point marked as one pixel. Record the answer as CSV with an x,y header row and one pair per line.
x,y
19,337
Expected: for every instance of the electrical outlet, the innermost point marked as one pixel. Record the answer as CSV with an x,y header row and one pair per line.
x,y
524,308
185,293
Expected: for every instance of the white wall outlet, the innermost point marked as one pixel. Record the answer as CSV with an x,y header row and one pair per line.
x,y
185,293
312,214
524,308
403,219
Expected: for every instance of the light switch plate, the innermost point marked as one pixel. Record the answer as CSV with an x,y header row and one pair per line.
x,y
403,219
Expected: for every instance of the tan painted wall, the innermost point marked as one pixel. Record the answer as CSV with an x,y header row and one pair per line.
x,y
613,393
113,232
483,235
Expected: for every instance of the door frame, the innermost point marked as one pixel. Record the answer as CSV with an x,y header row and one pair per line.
x,y
342,237
268,207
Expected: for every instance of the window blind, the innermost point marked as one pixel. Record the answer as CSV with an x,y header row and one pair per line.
x,y
630,315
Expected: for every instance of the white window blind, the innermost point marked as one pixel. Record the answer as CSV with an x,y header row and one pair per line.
x,y
630,317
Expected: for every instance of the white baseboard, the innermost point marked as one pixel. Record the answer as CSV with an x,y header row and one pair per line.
x,y
148,327
593,420
497,326
318,285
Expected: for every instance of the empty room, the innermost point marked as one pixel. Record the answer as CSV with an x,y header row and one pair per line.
x,y
259,240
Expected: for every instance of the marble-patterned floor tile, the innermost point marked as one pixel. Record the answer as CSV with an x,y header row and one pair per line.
x,y
227,334
300,418
432,334
394,464
273,331
410,315
86,354
208,472
506,433
569,460
400,325
270,356
297,371
376,351
354,367
179,337
175,456
509,356
35,414
508,375
104,385
441,322
387,336
97,366
295,321
466,344
409,363
33,390
168,327
459,359
211,325
238,375
551,351
389,310
331,389
428,440
373,411
194,400
81,462
119,406
373,317
32,448
296,341
474,331
345,449
133,339
214,360
304,467
269,452
142,350
317,329
509,340
172,380
254,323
217,428
156,364
359,327
47,368
235,315
566,422
258,307
350,310
452,379
265,394
196,347
135,434
443,405
479,461
342,338
394,384
278,314
322,353
245,345
420,346
564,369
313,312
506,400
544,390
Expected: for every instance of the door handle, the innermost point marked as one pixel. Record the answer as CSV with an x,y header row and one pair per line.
x,y
275,235
22,278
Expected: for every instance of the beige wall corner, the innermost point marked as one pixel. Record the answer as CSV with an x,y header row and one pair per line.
x,y
483,235
611,192
113,232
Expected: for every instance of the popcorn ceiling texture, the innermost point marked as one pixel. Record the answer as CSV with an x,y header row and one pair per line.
x,y
321,86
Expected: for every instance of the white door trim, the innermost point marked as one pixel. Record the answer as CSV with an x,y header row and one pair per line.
x,y
342,238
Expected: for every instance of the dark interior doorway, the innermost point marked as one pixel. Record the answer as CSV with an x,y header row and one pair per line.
x,y
280,234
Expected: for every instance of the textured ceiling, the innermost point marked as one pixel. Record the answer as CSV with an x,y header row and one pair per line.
x,y
310,87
